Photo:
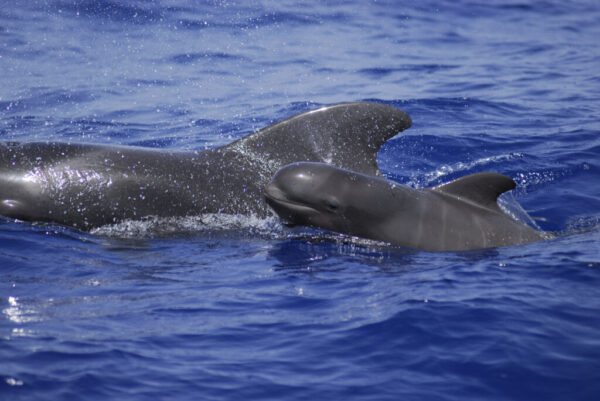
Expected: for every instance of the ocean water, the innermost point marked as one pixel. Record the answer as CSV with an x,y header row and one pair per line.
x,y
236,308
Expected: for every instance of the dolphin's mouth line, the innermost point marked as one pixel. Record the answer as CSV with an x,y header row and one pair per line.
x,y
275,200
290,205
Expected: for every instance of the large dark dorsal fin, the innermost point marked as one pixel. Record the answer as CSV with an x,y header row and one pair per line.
x,y
482,189
347,135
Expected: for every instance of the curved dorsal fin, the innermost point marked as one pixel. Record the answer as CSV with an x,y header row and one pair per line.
x,y
482,189
346,135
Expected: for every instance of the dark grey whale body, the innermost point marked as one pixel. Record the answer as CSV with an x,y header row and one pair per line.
x,y
86,186
460,215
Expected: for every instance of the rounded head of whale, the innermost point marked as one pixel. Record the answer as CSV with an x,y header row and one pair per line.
x,y
321,195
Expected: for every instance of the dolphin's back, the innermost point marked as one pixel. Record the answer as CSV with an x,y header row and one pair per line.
x,y
464,214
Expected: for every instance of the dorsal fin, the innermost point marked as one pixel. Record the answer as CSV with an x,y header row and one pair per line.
x,y
482,189
347,135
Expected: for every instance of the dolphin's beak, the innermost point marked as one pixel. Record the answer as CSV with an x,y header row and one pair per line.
x,y
288,210
273,193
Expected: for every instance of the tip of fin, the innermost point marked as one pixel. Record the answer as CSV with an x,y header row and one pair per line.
x,y
482,189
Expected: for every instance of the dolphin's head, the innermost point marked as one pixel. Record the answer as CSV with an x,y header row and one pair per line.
x,y
321,195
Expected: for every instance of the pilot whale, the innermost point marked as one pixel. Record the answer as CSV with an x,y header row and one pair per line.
x,y
457,216
89,185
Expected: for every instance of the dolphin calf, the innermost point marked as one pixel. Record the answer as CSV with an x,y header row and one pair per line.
x,y
87,185
460,215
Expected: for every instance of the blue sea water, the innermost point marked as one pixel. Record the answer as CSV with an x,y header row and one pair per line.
x,y
234,308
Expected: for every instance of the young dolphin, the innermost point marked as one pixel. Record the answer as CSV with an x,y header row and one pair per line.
x,y
460,215
86,185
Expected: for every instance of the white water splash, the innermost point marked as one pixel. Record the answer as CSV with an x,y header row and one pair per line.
x,y
511,207
154,226
443,171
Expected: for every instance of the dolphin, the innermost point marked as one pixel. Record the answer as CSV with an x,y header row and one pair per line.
x,y
457,216
90,185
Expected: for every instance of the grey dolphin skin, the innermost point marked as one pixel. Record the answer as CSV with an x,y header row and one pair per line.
x,y
86,185
460,215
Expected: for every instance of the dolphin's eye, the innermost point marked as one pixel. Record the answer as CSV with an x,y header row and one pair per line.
x,y
332,205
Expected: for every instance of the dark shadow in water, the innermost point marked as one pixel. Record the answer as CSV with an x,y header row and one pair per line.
x,y
331,252
320,252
